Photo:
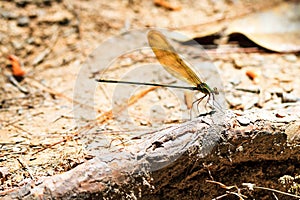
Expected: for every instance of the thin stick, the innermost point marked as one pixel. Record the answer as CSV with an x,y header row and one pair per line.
x,y
24,166
277,191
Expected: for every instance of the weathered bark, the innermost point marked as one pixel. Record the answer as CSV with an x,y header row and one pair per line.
x,y
175,163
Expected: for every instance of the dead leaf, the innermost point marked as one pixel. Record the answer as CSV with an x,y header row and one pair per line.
x,y
253,75
167,5
276,29
17,70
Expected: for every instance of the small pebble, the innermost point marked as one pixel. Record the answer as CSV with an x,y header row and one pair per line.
x,y
17,44
290,57
267,96
238,64
144,123
30,40
169,105
250,101
9,15
240,148
287,87
20,111
243,120
293,132
4,171
23,21
16,149
233,102
289,98
235,81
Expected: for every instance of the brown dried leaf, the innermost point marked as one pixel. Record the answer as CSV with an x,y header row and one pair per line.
x,y
277,29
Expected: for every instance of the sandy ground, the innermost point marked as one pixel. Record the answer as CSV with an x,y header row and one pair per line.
x,y
41,136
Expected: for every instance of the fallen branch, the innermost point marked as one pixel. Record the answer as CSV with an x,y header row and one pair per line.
x,y
173,162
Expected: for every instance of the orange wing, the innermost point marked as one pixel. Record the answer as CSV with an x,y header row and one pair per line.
x,y
170,60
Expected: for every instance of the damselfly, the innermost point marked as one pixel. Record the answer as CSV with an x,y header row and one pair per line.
x,y
175,65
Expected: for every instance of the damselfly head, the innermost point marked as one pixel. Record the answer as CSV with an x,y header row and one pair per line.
x,y
216,91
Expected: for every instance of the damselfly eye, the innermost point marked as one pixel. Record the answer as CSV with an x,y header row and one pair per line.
x,y
216,91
